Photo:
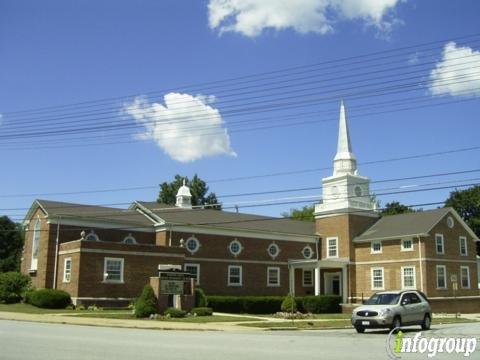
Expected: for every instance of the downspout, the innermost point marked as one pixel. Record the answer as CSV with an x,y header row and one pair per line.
x,y
420,260
57,240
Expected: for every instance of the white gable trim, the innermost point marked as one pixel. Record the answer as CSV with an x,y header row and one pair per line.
x,y
460,220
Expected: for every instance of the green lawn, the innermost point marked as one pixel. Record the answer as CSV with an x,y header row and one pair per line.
x,y
190,319
29,309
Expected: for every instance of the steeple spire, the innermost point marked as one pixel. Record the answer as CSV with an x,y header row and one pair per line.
x,y
344,161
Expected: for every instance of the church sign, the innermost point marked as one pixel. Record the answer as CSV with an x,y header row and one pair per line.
x,y
173,282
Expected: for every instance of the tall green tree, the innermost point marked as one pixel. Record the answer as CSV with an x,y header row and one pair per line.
x,y
467,204
395,207
305,213
11,244
198,189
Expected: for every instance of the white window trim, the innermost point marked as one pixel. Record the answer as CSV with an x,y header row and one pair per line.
x,y
328,247
303,278
372,251
92,233
277,269
65,280
192,238
241,275
460,245
443,244
402,246
276,247
240,247
197,279
444,274
461,277
105,279
311,252
383,278
36,229
129,237
414,278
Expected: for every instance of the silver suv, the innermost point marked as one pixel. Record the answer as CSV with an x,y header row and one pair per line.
x,y
393,309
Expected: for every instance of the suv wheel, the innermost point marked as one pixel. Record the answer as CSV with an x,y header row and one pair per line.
x,y
426,322
397,322
359,329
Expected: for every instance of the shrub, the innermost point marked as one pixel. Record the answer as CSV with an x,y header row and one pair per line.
x,y
200,298
322,304
146,304
49,298
174,313
202,311
289,304
246,304
13,286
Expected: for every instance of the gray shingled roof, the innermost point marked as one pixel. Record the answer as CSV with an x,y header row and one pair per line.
x,y
397,226
100,213
231,220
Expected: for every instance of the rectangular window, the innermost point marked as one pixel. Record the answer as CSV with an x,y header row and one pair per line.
x,y
441,277
67,270
234,275
376,247
439,244
465,277
407,245
193,269
332,247
377,279
273,276
408,277
463,245
113,270
307,278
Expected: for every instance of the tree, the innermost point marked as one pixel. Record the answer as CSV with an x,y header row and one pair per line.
x,y
394,208
198,189
305,213
11,244
467,204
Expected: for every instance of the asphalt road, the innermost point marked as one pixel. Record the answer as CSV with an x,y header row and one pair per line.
x,y
37,341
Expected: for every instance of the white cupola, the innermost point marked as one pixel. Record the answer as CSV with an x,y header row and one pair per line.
x,y
345,190
184,197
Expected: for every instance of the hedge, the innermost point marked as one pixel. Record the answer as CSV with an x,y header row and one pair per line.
x,y
200,298
174,313
48,298
202,311
273,304
146,304
322,304
13,286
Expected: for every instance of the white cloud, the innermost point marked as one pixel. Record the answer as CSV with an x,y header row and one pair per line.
x,y
187,128
413,59
458,73
251,17
1,116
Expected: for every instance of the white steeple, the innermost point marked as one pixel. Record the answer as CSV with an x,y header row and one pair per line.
x,y
346,190
344,161
184,197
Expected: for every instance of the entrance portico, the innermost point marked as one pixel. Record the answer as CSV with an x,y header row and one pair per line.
x,y
330,276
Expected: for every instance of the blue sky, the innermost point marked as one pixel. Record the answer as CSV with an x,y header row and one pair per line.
x,y
55,53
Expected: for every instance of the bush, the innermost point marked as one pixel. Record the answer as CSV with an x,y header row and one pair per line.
x,y
202,311
322,304
49,298
13,286
146,304
174,313
289,304
200,298
246,304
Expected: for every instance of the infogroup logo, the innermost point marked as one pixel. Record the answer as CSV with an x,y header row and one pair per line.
x,y
398,343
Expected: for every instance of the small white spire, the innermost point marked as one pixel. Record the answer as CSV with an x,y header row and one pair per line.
x,y
344,161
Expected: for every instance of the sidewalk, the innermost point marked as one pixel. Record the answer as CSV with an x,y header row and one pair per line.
x,y
128,323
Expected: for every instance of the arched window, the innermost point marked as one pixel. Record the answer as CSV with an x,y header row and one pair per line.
x,y
35,244
129,240
92,236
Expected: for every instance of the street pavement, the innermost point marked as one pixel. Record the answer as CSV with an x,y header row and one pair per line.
x,y
21,340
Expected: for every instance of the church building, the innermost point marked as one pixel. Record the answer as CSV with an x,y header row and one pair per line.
x,y
106,255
